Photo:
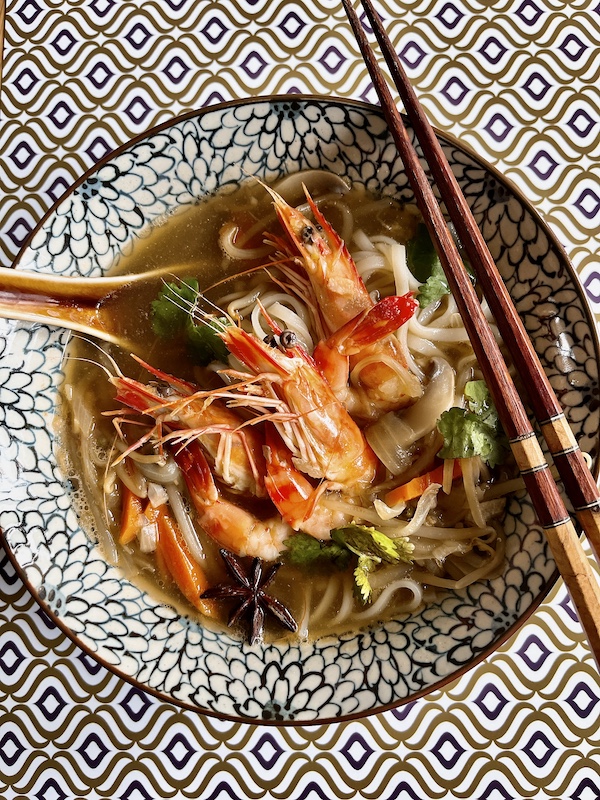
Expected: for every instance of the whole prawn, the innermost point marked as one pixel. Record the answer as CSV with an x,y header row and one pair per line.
x,y
231,526
381,380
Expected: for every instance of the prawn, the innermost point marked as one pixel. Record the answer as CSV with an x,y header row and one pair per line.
x,y
228,524
293,495
324,441
234,450
377,370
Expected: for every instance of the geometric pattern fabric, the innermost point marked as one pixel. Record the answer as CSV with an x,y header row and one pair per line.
x,y
517,81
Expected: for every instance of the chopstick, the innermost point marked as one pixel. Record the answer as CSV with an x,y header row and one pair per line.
x,y
578,481
566,547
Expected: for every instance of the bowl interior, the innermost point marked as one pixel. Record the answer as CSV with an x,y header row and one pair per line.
x,y
148,642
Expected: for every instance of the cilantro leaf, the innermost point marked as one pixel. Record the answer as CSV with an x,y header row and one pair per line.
x,y
205,343
170,312
365,565
479,401
370,542
304,550
172,316
424,263
474,430
434,288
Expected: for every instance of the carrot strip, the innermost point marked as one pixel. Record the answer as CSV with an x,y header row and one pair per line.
x,y
173,552
132,516
416,487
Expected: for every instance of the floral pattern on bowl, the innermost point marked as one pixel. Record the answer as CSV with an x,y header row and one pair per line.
x,y
148,642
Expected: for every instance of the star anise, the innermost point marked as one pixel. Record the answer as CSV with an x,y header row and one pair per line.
x,y
250,589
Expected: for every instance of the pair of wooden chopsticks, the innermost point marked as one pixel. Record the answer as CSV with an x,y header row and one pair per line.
x,y
579,484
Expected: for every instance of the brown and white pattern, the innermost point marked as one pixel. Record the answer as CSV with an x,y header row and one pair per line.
x,y
516,80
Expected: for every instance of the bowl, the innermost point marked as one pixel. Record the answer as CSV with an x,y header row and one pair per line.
x,y
148,642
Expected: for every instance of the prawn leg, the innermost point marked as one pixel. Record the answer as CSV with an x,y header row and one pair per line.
x,y
235,454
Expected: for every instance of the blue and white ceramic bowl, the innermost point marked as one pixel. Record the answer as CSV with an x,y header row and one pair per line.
x,y
149,643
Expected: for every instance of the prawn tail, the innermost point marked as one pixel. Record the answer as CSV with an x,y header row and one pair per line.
x,y
230,525
292,494
375,324
197,474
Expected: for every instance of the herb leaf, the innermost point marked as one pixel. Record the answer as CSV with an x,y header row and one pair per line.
x,y
365,565
421,255
363,541
424,263
372,548
170,312
475,430
479,401
205,342
172,316
434,288
304,550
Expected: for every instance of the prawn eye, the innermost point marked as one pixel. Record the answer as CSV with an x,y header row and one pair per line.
x,y
288,339
307,234
271,340
162,389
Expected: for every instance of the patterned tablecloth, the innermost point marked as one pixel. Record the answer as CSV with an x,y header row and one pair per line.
x,y
516,79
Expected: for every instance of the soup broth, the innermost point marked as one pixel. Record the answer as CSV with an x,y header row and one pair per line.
x,y
124,459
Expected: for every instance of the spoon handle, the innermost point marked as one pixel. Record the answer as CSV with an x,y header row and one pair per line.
x,y
84,318
70,301
72,287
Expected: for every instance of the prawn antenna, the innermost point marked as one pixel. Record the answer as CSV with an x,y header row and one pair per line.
x,y
102,351
197,313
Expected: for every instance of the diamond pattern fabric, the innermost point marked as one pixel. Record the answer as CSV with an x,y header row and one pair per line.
x,y
514,80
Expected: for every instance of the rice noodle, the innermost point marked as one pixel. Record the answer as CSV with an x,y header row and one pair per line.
x,y
132,478
167,472
333,587
347,605
304,621
469,469
448,473
227,241
377,608
185,524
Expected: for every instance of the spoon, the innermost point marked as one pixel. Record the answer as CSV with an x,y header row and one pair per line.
x,y
86,305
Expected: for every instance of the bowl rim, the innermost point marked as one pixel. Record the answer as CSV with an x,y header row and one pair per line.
x,y
588,313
